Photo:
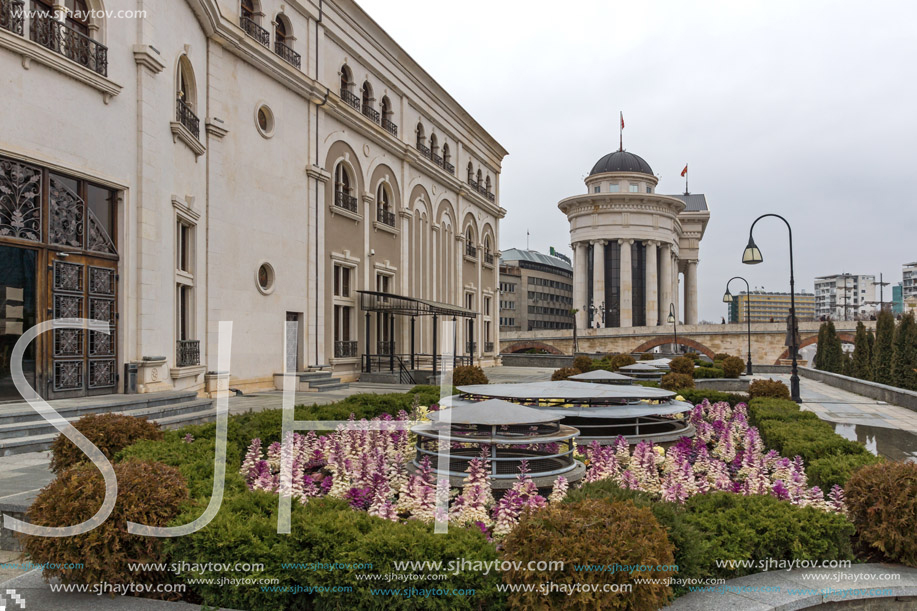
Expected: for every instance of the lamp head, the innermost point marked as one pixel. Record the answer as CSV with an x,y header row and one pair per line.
x,y
670,319
727,297
752,254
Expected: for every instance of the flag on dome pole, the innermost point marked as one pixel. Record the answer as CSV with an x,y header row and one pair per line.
x,y
684,173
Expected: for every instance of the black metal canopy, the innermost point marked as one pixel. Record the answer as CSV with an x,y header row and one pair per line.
x,y
389,303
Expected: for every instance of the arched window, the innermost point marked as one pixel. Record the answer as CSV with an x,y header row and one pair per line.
x,y
366,102
283,41
470,173
343,188
280,30
434,150
446,154
250,11
186,95
346,79
487,183
78,16
470,248
422,141
480,178
388,115
384,214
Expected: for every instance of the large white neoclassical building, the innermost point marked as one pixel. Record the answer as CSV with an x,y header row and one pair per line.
x,y
166,166
630,246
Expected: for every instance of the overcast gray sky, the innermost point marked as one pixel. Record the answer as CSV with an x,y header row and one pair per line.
x,y
806,109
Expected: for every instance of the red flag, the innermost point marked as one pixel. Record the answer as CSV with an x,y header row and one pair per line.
x,y
685,171
622,119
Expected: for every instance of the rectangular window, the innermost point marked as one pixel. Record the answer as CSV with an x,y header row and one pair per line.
x,y
487,306
342,275
649,189
342,323
596,189
613,188
634,188
187,349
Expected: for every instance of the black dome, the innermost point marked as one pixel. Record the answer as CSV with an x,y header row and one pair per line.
x,y
621,161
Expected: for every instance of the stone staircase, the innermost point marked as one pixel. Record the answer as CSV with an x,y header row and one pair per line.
x,y
311,381
23,430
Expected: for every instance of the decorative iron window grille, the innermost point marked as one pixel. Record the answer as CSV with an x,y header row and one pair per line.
x,y
488,258
436,159
11,12
287,54
371,113
471,250
390,127
386,347
449,167
386,217
345,349
188,353
255,31
351,98
187,118
424,150
61,38
345,200
470,347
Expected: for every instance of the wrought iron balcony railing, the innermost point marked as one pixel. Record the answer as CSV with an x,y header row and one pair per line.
x,y
488,347
491,196
436,159
471,251
470,347
473,184
345,349
386,348
424,150
350,97
188,353
449,167
390,127
187,118
76,46
371,112
288,55
488,258
11,12
255,31
345,200
386,217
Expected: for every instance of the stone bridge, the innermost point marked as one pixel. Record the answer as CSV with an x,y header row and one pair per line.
x,y
767,339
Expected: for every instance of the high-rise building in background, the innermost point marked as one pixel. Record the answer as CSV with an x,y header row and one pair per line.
x,y
764,306
536,291
845,296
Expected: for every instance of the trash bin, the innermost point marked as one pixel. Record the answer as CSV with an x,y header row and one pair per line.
x,y
130,378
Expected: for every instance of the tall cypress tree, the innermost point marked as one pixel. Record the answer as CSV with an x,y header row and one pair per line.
x,y
859,364
820,347
882,354
904,359
833,357
870,353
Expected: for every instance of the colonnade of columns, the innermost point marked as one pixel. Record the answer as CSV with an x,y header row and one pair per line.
x,y
660,275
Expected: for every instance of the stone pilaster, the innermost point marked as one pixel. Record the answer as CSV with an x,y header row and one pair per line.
x,y
598,280
579,284
627,286
652,290
665,282
691,292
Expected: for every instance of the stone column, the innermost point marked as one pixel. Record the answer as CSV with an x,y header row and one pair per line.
x,y
627,288
691,292
652,290
580,285
598,278
665,282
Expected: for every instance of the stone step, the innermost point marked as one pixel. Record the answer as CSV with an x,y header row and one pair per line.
x,y
340,386
324,382
37,437
74,408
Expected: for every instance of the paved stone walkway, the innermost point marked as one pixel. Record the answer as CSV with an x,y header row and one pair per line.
x,y
802,588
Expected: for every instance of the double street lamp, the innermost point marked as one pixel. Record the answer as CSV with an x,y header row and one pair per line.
x,y
673,319
752,256
727,298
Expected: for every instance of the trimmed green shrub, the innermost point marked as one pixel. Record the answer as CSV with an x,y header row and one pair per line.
x,y
148,493
696,396
563,373
882,503
703,373
109,432
762,409
733,366
810,439
647,356
465,375
676,381
768,388
620,360
721,356
760,527
583,363
590,531
690,546
829,471
326,531
681,364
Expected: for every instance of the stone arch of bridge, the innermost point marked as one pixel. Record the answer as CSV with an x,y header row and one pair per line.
x,y
668,339
523,346
846,338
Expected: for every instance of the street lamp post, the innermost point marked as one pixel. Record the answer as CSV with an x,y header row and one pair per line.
x,y
674,320
727,298
752,256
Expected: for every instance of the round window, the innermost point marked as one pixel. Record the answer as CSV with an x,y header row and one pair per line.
x,y
264,119
265,278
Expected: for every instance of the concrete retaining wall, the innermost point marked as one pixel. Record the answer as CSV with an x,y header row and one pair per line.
x,y
723,384
879,392
553,361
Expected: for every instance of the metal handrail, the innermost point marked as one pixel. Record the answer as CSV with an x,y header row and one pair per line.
x,y
187,118
11,12
288,54
371,113
350,98
61,38
345,200
255,31
390,127
386,217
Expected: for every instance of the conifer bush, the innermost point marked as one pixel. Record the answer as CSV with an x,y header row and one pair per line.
x,y
563,373
583,363
109,432
882,503
466,375
676,381
681,364
768,388
590,531
733,367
